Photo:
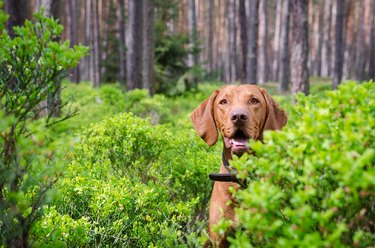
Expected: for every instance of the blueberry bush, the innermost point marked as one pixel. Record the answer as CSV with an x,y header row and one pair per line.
x,y
313,184
130,183
33,63
130,171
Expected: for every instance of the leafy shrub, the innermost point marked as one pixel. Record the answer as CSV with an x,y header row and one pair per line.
x,y
57,230
130,183
32,65
313,184
95,104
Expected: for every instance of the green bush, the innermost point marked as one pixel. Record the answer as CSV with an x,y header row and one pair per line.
x,y
95,104
33,63
313,184
130,183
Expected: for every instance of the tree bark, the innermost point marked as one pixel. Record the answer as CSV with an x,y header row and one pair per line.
x,y
372,45
55,9
148,46
230,63
312,48
192,25
92,38
18,12
72,23
263,56
55,102
361,44
299,59
338,59
134,51
87,40
349,34
52,105
284,50
94,41
122,43
318,37
104,41
210,35
243,37
192,56
252,44
97,66
276,42
326,46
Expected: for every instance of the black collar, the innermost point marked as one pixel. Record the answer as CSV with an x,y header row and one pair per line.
x,y
227,177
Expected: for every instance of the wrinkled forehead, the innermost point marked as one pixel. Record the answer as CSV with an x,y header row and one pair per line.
x,y
243,90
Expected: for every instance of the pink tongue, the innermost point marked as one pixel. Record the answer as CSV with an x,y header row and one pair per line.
x,y
239,142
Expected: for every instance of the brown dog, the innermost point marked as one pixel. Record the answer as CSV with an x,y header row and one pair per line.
x,y
240,113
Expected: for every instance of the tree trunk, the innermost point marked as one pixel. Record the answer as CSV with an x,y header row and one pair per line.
x,y
299,70
18,12
263,56
94,52
338,59
312,48
134,51
192,23
92,37
361,45
318,37
122,43
326,48
230,63
284,50
243,33
148,46
276,42
372,45
87,40
252,44
104,41
210,35
55,102
52,105
192,56
97,39
349,34
219,24
72,23
55,9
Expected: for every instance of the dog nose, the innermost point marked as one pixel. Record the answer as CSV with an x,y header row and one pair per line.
x,y
238,116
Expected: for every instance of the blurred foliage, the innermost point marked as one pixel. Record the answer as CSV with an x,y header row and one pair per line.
x,y
135,172
172,74
32,65
313,184
130,183
143,182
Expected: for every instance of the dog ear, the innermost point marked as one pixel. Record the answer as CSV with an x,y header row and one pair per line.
x,y
203,120
276,118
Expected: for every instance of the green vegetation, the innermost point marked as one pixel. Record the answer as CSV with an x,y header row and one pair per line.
x,y
129,170
143,182
313,184
131,183
32,66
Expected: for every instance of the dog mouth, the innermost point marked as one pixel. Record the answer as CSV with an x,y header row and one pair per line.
x,y
238,143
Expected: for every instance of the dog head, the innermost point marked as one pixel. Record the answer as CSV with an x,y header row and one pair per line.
x,y
239,113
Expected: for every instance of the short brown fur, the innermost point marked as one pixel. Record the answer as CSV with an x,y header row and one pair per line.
x,y
247,109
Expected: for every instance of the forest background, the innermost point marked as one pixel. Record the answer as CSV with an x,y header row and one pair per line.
x,y
166,46
121,165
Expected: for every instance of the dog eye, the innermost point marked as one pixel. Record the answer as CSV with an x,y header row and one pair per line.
x,y
254,101
223,102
